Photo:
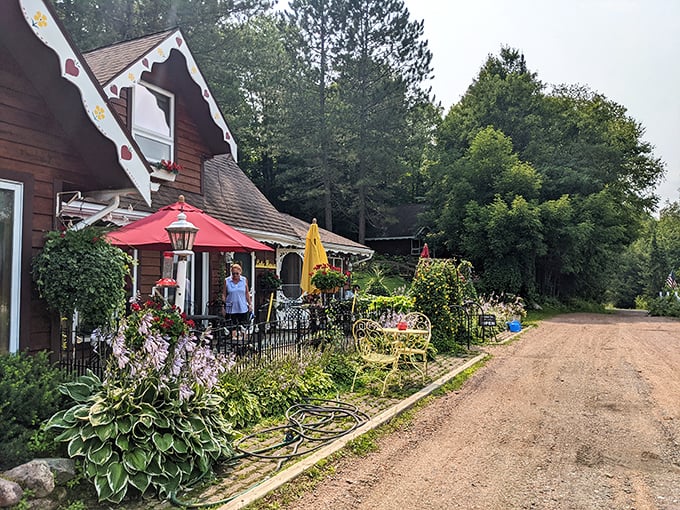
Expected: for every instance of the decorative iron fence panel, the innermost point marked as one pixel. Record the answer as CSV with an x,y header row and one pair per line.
x,y
257,343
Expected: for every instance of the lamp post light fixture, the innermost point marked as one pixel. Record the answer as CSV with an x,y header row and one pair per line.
x,y
182,234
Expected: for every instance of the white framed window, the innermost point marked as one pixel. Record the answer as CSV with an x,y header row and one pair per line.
x,y
11,224
153,121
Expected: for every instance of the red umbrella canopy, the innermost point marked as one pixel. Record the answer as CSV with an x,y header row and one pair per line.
x,y
149,233
425,254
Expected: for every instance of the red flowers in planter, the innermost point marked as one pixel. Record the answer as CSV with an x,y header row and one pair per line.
x,y
169,166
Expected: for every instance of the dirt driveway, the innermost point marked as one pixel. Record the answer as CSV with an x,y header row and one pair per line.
x,y
582,412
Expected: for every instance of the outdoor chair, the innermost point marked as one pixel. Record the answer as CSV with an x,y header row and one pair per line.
x,y
415,350
376,352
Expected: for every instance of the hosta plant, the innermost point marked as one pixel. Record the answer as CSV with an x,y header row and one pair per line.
x,y
154,424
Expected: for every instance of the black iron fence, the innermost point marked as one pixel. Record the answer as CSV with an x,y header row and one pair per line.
x,y
253,343
297,329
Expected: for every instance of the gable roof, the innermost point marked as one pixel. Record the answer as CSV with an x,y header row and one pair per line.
x,y
31,31
123,64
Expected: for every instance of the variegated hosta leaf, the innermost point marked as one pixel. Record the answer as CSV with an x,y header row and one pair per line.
x,y
102,455
136,460
162,441
124,424
76,447
105,432
140,481
117,476
78,391
57,420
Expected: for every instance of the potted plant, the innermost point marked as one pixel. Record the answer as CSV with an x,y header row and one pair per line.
x,y
328,278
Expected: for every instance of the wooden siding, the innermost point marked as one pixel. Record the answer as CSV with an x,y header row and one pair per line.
x,y
149,270
34,150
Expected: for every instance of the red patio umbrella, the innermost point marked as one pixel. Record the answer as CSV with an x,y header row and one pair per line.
x,y
149,233
425,254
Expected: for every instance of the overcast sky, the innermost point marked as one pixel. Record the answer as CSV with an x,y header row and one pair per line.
x,y
628,50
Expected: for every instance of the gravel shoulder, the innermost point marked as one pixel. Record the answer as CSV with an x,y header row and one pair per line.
x,y
581,412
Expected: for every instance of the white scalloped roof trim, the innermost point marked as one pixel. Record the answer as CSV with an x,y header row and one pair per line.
x,y
40,20
159,54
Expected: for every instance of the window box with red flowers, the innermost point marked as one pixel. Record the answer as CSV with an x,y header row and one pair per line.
x,y
166,170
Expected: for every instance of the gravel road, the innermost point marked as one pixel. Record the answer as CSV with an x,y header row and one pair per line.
x,y
581,412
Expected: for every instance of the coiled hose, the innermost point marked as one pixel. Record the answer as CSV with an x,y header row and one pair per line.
x,y
310,426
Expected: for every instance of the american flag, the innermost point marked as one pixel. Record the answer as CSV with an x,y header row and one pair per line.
x,y
670,281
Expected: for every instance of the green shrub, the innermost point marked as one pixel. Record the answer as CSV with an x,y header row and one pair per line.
x,y
254,393
240,405
665,306
28,397
291,380
438,285
340,366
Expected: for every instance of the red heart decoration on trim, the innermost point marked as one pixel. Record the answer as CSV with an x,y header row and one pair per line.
x,y
206,93
71,67
179,41
114,90
227,136
125,153
145,63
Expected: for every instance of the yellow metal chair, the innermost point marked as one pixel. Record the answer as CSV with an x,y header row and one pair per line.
x,y
375,350
415,347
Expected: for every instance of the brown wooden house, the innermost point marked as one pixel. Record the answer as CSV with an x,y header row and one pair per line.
x,y
58,133
79,139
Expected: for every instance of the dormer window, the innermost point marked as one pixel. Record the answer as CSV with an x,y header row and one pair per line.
x,y
153,116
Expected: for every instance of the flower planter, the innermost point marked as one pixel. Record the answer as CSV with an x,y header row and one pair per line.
x,y
164,175
330,291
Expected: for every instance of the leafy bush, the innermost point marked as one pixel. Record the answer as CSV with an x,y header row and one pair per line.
x,y
665,306
291,380
254,393
155,423
28,397
438,285
341,367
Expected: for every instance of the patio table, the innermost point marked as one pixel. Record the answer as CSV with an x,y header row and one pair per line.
x,y
409,344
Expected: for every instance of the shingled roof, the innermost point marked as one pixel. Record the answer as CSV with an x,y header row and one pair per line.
x,y
331,241
111,60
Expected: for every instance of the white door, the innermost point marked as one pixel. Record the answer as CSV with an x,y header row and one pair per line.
x,y
11,209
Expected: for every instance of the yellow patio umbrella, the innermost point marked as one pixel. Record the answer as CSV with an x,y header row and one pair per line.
x,y
315,254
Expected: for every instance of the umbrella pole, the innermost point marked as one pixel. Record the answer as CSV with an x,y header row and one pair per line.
x,y
271,302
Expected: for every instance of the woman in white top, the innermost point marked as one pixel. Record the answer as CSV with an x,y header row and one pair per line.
x,y
238,306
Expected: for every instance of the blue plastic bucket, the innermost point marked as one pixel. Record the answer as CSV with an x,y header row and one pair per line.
x,y
514,326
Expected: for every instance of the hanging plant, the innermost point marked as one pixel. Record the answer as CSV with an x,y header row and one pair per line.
x,y
80,270
269,280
